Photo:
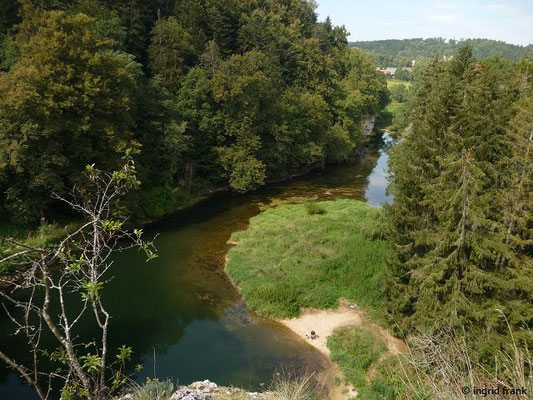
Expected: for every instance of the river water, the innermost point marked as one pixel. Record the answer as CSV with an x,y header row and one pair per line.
x,y
181,315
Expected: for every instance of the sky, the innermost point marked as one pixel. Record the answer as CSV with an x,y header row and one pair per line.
x,y
507,20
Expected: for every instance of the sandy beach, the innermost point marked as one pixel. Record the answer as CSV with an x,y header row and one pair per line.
x,y
325,322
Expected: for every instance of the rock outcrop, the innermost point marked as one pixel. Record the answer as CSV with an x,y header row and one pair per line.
x,y
207,390
368,125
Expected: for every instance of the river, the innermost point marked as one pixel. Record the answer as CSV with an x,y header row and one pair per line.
x,y
181,315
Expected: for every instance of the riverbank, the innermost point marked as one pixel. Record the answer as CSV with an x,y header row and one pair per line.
x,y
317,267
334,331
189,311
156,208
325,322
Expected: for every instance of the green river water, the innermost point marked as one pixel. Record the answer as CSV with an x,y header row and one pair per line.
x,y
180,313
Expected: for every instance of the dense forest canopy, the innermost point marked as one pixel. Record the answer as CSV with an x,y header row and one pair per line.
x,y
461,222
400,52
203,93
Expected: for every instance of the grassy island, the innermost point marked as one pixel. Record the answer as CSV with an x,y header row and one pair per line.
x,y
310,255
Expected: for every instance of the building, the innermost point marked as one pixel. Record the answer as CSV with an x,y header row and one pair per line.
x,y
387,71
391,71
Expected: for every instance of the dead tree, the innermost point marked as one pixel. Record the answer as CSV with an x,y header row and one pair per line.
x,y
79,263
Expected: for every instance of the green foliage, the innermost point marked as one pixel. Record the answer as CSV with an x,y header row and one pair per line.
x,y
68,98
8,52
161,133
361,354
43,237
458,257
399,92
157,202
355,350
92,290
314,208
289,259
124,354
73,391
154,390
8,16
171,51
91,363
108,24
402,75
405,50
402,98
236,93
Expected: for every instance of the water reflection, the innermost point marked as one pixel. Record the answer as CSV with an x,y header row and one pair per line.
x,y
376,192
180,313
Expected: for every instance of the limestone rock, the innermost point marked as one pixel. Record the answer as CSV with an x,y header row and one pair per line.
x,y
203,390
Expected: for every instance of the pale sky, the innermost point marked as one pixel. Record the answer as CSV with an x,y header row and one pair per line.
x,y
507,20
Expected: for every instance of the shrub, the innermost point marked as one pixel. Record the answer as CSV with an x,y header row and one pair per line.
x,y
157,202
285,387
314,208
154,390
355,350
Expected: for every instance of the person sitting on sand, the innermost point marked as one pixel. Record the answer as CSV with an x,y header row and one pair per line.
x,y
313,335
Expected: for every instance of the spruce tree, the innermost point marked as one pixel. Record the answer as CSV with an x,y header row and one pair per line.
x,y
461,218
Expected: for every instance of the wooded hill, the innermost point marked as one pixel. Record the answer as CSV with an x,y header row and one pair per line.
x,y
203,94
395,52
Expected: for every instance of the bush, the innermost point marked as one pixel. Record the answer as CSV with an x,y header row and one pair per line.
x,y
284,387
314,208
355,350
157,202
154,390
399,92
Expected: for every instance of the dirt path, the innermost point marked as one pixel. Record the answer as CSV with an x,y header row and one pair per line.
x,y
324,322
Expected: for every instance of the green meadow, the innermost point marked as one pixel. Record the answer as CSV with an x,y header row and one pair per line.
x,y
310,255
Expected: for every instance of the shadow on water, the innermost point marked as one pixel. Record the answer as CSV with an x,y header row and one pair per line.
x,y
180,313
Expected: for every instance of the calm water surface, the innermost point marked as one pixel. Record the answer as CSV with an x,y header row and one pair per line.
x,y
182,316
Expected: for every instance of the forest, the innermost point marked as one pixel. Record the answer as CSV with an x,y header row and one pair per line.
x,y
400,52
204,94
117,114
462,214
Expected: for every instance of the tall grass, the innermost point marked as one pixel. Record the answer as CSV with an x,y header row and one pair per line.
x,y
285,387
153,390
314,208
435,367
356,351
290,258
442,366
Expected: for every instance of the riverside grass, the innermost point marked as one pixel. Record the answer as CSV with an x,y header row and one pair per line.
x,y
291,257
355,350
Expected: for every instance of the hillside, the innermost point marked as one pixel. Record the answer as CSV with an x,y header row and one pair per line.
x,y
397,52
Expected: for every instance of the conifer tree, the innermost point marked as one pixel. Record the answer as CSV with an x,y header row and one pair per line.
x,y
460,184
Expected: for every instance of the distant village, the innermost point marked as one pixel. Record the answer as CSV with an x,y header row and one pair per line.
x,y
391,71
